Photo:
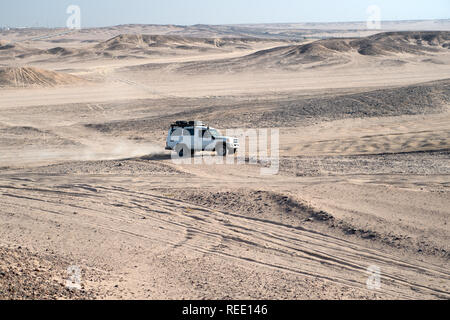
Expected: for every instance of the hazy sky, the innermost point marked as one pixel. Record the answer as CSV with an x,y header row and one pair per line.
x,y
52,13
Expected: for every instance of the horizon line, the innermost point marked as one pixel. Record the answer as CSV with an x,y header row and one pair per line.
x,y
221,24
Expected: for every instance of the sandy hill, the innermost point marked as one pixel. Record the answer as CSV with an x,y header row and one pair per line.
x,y
376,45
28,76
132,46
62,51
6,45
25,50
329,52
132,41
402,42
18,50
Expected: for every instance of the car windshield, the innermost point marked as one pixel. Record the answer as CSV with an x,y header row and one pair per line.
x,y
214,133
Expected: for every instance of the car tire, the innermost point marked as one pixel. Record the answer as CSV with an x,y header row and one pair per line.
x,y
182,151
221,150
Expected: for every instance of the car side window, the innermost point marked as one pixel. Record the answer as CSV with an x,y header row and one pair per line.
x,y
188,132
206,134
177,132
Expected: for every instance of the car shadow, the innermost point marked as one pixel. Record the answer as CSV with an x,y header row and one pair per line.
x,y
156,157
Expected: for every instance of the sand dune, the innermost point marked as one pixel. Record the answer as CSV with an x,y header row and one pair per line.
x,y
7,48
128,46
29,76
3,43
327,52
132,41
403,42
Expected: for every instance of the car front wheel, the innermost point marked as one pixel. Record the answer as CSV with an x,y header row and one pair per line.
x,y
221,150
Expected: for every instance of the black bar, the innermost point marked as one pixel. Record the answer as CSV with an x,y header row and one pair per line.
x,y
239,309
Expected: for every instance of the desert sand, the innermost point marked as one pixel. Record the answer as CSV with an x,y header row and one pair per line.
x,y
364,162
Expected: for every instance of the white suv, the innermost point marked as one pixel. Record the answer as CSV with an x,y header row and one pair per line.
x,y
187,137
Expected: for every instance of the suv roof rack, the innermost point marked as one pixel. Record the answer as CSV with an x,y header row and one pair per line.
x,y
183,123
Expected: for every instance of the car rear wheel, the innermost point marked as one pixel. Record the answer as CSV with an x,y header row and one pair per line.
x,y
182,151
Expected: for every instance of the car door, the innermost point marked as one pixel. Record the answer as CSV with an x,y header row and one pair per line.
x,y
175,137
207,140
188,137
